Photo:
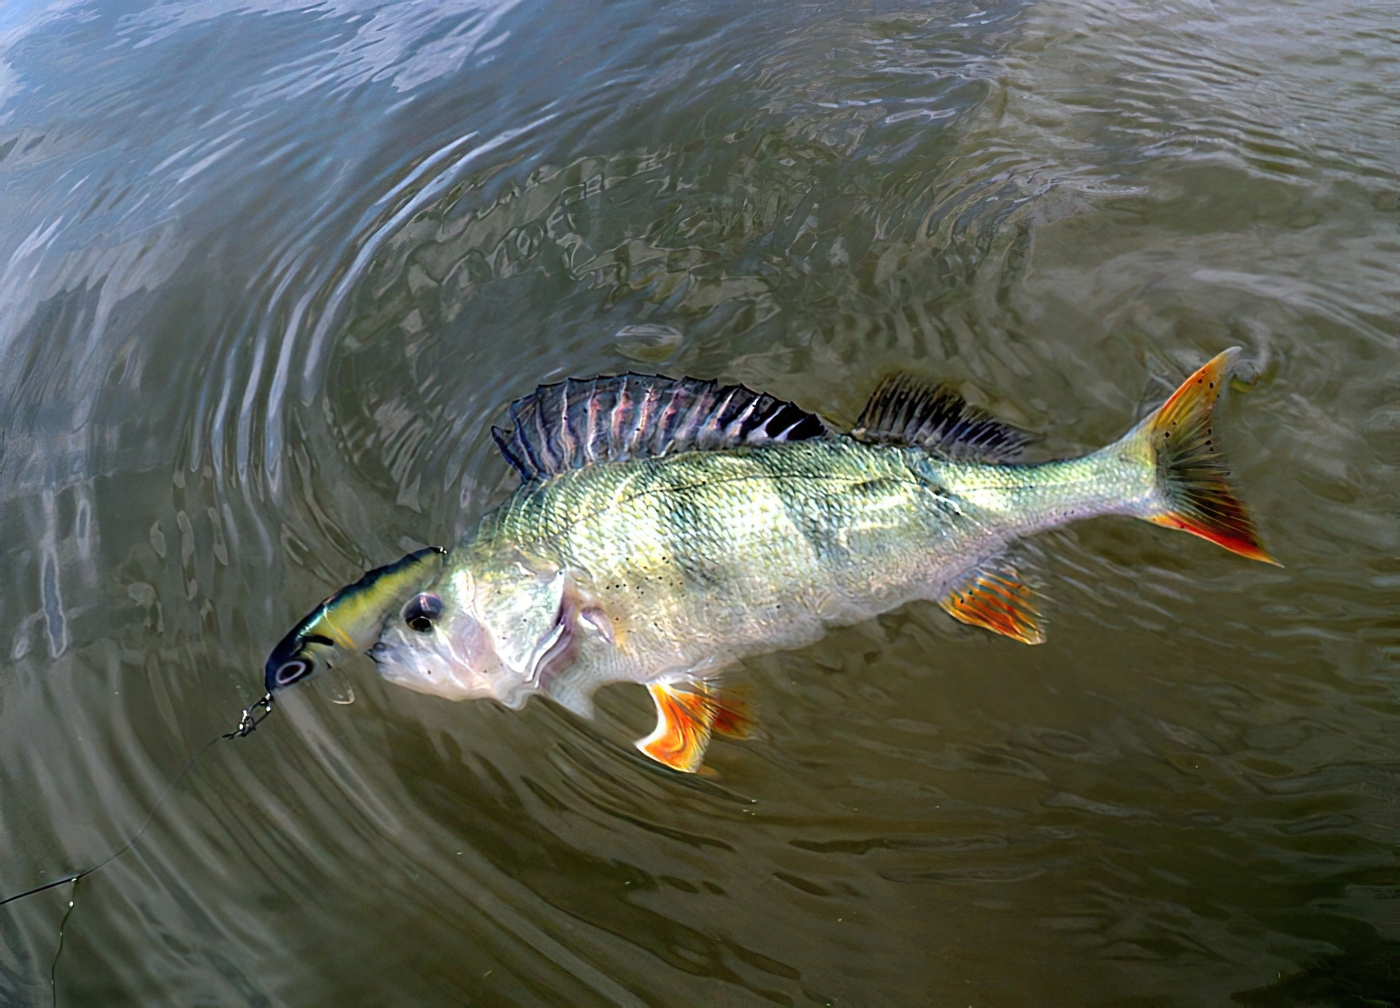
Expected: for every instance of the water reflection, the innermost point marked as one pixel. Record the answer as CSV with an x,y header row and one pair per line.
x,y
271,271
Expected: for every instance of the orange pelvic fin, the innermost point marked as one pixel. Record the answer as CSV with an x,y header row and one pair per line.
x,y
995,598
734,715
685,720
1195,482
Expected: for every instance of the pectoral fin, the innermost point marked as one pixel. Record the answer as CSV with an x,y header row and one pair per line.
x,y
995,598
687,717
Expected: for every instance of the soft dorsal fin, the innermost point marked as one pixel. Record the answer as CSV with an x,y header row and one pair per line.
x,y
578,422
995,597
906,410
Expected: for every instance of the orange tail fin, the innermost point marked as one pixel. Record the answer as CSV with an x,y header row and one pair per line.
x,y
1191,473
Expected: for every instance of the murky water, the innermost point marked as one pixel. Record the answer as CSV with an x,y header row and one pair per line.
x,y
271,269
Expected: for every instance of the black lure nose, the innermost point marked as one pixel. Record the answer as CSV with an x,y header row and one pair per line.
x,y
290,661
280,675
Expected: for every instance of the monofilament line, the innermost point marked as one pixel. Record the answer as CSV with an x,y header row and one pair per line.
x,y
247,723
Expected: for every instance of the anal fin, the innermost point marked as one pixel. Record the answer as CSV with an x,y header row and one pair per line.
x,y
685,720
995,598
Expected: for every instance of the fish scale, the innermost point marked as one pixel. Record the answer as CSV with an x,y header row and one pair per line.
x,y
867,534
667,528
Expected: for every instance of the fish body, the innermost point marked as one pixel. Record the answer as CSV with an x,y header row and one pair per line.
x,y
690,562
668,529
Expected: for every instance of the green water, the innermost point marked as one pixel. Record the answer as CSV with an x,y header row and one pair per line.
x,y
270,270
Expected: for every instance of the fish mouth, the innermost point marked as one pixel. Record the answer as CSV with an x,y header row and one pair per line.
x,y
439,674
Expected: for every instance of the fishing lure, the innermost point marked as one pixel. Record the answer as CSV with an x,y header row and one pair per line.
x,y
348,622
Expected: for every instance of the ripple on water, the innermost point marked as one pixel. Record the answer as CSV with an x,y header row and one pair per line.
x,y
272,270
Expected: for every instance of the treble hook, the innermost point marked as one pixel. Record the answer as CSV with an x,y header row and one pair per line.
x,y
248,723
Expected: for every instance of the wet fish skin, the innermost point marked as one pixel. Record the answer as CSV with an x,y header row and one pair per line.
x,y
701,559
663,570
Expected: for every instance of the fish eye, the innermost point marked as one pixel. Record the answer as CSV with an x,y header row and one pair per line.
x,y
289,672
420,613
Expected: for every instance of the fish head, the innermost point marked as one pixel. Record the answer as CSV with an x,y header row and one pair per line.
x,y
487,628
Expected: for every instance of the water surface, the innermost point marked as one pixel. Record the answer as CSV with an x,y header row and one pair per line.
x,y
270,269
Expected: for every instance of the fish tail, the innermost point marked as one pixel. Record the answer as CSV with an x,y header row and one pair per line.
x,y
1193,488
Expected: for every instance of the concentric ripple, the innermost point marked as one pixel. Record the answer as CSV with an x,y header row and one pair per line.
x,y
270,270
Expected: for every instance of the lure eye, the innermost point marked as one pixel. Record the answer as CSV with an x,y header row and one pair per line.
x,y
422,612
289,672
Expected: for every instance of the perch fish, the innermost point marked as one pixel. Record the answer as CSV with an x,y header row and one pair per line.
x,y
667,528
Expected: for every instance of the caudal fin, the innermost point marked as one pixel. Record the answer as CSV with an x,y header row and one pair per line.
x,y
1194,490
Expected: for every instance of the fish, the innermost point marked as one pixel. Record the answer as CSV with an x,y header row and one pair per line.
x,y
350,621
665,529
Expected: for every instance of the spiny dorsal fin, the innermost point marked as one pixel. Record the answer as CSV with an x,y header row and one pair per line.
x,y
577,422
994,597
906,410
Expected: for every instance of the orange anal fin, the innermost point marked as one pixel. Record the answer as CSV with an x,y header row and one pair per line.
x,y
684,721
996,599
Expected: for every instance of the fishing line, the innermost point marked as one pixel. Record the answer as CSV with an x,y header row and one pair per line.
x,y
248,723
